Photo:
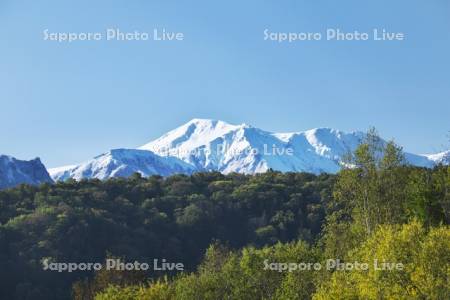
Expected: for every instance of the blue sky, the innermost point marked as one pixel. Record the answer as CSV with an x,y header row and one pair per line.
x,y
69,102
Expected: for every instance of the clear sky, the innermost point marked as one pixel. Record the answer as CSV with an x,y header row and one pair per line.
x,y
67,102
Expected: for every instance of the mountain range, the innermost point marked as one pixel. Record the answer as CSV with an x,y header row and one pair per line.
x,y
211,145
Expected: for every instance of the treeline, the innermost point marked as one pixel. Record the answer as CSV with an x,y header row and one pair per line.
x,y
226,230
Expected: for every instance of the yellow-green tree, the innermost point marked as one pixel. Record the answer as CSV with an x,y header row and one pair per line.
x,y
424,255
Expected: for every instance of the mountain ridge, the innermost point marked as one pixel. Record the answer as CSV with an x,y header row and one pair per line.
x,y
122,163
14,172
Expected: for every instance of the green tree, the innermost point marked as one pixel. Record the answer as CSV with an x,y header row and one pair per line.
x,y
372,188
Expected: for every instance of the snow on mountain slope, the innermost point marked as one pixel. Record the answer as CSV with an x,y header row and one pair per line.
x,y
219,146
440,158
122,163
60,170
216,145
14,172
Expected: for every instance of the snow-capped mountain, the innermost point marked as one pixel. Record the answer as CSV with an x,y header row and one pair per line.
x,y
440,158
14,172
210,145
122,163
216,145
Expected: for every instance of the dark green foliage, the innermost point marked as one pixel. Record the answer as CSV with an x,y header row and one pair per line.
x,y
176,218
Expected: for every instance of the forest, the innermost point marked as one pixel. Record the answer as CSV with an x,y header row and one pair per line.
x,y
238,236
